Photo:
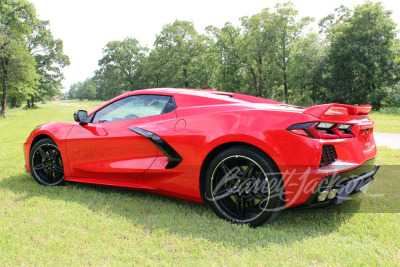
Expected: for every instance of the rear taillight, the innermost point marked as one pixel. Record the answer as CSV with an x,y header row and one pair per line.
x,y
323,130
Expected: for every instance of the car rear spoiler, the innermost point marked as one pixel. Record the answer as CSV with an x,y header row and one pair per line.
x,y
337,110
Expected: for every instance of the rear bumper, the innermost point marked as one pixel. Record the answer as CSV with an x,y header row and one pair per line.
x,y
334,189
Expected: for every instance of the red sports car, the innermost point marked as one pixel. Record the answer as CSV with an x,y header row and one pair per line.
x,y
248,157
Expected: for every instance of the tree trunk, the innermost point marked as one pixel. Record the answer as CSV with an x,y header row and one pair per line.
x,y
313,94
260,81
5,85
28,103
256,87
185,75
285,88
284,64
32,101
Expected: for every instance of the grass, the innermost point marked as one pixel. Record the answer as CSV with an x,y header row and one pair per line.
x,y
91,225
386,123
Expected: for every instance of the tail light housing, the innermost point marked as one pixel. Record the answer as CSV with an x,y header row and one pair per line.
x,y
323,130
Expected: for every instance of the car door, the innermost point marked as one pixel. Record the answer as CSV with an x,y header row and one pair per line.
x,y
106,148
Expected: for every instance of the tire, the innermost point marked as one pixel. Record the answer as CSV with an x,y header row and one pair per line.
x,y
46,163
244,186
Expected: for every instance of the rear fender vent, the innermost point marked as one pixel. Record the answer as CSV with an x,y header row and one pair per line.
x,y
328,155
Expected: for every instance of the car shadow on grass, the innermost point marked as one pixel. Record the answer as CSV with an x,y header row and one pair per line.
x,y
154,212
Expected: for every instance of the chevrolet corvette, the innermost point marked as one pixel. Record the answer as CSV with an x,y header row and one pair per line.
x,y
248,157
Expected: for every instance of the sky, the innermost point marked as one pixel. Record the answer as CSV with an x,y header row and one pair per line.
x,y
86,26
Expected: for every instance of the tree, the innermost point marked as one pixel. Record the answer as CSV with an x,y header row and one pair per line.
x,y
229,63
258,53
16,64
20,75
355,59
84,90
245,55
259,50
361,56
286,30
71,94
306,69
50,59
120,67
184,55
153,70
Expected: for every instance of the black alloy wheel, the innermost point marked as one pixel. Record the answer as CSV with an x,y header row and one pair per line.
x,y
46,163
244,186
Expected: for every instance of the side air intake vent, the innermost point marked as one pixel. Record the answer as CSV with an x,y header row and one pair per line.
x,y
328,155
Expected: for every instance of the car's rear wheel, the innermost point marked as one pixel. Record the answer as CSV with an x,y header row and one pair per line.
x,y
244,186
46,163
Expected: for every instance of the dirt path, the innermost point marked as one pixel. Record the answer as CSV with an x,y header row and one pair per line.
x,y
387,139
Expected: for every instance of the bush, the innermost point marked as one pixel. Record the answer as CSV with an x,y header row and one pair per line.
x,y
390,110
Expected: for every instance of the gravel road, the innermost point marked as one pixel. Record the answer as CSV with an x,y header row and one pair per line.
x,y
387,139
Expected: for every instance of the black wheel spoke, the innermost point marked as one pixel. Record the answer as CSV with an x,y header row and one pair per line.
x,y
39,167
226,192
241,207
42,153
55,154
249,171
258,195
225,169
58,168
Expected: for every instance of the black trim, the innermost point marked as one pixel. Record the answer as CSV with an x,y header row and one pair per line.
x,y
362,175
302,126
170,106
172,155
90,118
328,155
348,130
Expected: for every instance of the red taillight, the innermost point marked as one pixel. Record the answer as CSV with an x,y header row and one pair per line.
x,y
300,132
322,133
323,130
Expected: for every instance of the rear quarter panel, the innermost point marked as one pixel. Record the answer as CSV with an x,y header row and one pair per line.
x,y
199,130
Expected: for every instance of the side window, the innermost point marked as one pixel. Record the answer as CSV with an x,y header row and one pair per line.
x,y
137,106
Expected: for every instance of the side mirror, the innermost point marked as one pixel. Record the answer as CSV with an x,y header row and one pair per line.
x,y
80,116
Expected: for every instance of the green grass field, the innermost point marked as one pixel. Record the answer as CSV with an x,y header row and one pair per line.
x,y
386,123
92,225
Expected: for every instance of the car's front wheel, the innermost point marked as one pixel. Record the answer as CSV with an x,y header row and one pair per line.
x,y
244,186
46,163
